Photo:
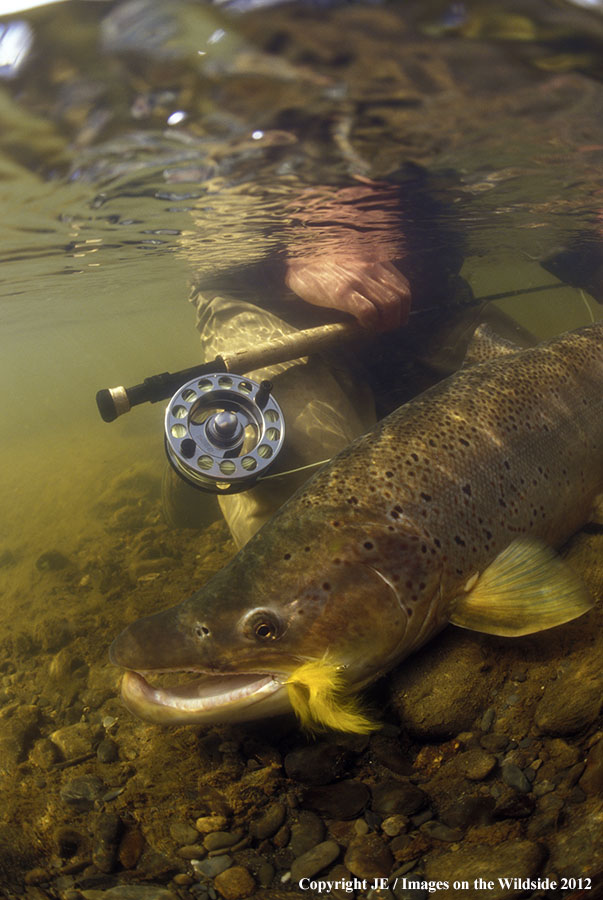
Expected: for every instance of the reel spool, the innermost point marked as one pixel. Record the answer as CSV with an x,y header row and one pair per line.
x,y
223,432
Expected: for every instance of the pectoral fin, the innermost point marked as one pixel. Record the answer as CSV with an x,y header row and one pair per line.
x,y
527,588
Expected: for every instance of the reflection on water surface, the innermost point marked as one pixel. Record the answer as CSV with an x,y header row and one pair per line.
x,y
144,145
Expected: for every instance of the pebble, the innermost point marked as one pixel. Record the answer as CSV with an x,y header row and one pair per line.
x,y
107,751
397,798
18,736
476,764
207,824
73,740
442,832
213,866
368,857
183,833
191,851
269,822
130,848
130,892
307,831
106,839
522,858
592,779
494,742
314,860
235,883
344,800
394,825
218,840
82,792
44,753
569,704
52,561
317,764
514,777
468,810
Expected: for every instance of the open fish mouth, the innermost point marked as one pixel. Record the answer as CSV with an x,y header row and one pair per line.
x,y
208,699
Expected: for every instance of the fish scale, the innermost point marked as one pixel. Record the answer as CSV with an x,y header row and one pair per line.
x,y
447,511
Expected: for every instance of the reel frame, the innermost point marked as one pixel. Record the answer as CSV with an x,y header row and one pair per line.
x,y
207,423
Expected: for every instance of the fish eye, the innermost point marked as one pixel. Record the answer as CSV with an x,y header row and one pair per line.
x,y
263,625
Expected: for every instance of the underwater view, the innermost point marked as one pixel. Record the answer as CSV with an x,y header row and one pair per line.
x,y
317,609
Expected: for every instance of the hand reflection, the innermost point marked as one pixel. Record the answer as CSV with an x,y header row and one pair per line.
x,y
374,291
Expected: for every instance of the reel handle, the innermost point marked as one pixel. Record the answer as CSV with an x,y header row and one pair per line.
x,y
114,402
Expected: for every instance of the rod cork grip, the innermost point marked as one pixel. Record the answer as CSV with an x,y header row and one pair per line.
x,y
112,402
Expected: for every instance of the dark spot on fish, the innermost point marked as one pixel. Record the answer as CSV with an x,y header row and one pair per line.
x,y
501,502
306,549
464,442
367,545
426,497
467,489
326,586
458,540
389,474
286,556
415,457
437,542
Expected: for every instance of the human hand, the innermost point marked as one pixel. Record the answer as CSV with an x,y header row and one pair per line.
x,y
374,291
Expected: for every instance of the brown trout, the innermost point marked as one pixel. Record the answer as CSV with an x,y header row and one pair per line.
x,y
448,511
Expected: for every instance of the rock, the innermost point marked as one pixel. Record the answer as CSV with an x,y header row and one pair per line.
x,y
514,778
307,831
494,742
397,798
314,860
106,838
444,690
476,764
572,849
130,892
316,764
214,865
513,805
570,703
52,561
235,883
131,847
107,751
19,728
468,810
52,633
518,859
218,840
394,825
344,800
207,824
183,833
592,779
441,832
269,822
191,851
44,753
368,857
68,841
82,792
73,740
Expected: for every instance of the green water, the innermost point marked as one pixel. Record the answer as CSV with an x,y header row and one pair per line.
x,y
108,210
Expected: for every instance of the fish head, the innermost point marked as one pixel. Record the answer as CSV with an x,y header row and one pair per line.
x,y
300,609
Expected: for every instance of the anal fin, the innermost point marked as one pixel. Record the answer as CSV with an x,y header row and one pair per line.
x,y
527,588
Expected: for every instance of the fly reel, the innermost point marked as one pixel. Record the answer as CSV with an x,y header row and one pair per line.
x,y
223,432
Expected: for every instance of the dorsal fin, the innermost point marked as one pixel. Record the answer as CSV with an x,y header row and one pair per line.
x,y
486,344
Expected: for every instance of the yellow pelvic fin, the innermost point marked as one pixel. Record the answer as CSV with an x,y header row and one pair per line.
x,y
527,588
317,695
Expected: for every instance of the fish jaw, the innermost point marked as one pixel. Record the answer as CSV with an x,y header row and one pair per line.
x,y
206,701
